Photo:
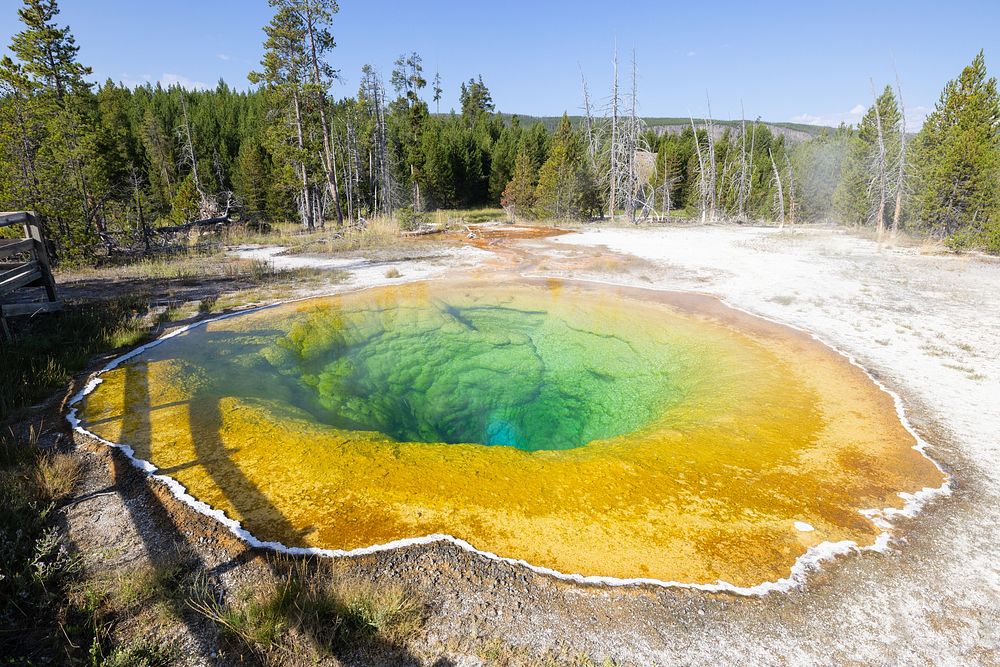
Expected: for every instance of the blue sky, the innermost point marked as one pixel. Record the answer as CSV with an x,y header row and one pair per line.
x,y
801,61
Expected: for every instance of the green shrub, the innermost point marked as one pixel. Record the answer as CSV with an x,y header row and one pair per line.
x,y
407,219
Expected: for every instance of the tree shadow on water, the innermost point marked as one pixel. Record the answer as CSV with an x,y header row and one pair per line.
x,y
167,547
163,539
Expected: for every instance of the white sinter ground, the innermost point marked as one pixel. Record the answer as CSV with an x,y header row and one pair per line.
x,y
364,272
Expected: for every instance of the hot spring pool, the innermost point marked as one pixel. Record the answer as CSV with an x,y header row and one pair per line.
x,y
593,430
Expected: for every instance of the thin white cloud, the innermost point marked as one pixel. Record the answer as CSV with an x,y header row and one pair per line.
x,y
915,117
184,82
133,81
691,54
834,119
807,119
223,56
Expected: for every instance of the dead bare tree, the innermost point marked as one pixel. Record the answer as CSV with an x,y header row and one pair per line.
x,y
878,183
712,180
780,194
792,206
347,145
380,172
753,144
901,173
188,156
638,194
306,209
616,140
136,181
702,181
588,124
741,196
613,173
208,206
725,176
666,187
630,147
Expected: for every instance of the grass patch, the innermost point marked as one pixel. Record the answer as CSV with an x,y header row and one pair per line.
x,y
330,613
170,580
458,217
36,566
145,652
47,351
188,269
376,234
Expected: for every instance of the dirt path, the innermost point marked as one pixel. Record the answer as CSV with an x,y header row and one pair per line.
x,y
926,325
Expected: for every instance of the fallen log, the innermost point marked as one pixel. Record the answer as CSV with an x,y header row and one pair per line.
x,y
423,232
225,219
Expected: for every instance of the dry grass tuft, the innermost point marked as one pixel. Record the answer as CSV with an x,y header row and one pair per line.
x,y
56,474
932,246
377,233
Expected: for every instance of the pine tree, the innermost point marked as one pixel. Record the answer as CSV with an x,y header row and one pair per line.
x,y
316,16
22,131
503,159
48,51
284,75
438,91
518,197
161,172
857,197
439,162
536,140
476,100
59,112
186,203
566,185
251,179
408,115
958,156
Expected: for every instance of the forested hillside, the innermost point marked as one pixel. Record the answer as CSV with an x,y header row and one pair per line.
x,y
105,164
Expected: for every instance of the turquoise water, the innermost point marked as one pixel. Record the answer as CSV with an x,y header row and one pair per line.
x,y
479,372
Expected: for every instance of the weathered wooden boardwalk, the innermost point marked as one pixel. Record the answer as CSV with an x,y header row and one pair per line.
x,y
24,262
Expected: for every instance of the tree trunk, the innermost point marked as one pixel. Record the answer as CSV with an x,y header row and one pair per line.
x,y
741,195
711,166
901,176
702,187
328,162
189,148
305,210
792,206
880,176
613,193
781,195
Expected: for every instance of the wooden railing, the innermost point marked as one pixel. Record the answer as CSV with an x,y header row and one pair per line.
x,y
16,273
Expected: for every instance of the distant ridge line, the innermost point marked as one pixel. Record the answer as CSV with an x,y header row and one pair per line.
x,y
793,132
